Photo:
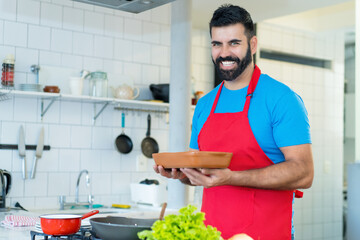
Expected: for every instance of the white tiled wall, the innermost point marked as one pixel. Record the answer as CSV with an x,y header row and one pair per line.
x,y
63,33
319,214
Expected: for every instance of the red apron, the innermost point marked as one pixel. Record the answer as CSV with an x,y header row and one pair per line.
x,y
262,214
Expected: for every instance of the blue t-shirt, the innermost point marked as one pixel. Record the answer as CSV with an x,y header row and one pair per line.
x,y
277,115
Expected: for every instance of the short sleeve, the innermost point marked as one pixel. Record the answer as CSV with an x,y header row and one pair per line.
x,y
195,130
290,121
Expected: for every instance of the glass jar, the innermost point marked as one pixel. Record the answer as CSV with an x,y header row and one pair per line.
x,y
7,77
98,84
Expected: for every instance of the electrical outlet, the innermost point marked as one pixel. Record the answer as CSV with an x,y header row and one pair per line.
x,y
141,163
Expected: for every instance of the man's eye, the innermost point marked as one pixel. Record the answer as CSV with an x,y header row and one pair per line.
x,y
216,44
235,43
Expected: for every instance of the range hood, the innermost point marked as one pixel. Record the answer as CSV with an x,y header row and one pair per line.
x,y
133,6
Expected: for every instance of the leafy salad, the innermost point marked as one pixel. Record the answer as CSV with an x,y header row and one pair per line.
x,y
188,225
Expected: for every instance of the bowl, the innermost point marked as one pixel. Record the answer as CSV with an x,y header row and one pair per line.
x,y
51,89
160,91
193,159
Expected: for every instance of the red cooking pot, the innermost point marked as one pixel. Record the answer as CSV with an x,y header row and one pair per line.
x,y
63,224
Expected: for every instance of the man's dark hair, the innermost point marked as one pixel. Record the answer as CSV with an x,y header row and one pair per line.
x,y
228,14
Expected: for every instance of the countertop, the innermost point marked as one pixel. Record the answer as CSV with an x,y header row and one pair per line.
x,y
23,233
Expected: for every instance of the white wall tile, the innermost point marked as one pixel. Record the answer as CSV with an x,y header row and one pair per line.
x,y
114,26
93,64
80,137
160,55
68,112
69,160
142,52
103,47
90,160
111,66
165,36
46,202
28,11
73,19
61,41
37,187
25,107
132,29
83,44
123,50
151,32
101,138
59,184
7,110
150,74
25,58
72,61
15,34
101,183
59,136
51,15
49,161
8,10
6,158
39,37
1,31
111,161
49,58
103,10
94,23
133,71
17,186
121,183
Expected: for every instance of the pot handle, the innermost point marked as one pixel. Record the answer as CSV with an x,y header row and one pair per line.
x,y
89,214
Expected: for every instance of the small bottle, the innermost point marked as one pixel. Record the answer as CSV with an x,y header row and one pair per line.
x,y
7,77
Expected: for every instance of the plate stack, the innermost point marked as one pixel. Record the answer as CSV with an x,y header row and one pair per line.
x,y
30,87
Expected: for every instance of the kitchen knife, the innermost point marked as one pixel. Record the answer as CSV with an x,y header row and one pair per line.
x,y
22,152
39,151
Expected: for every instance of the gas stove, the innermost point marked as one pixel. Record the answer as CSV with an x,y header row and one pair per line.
x,y
83,234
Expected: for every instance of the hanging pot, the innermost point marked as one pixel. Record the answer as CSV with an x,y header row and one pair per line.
x,y
123,142
148,144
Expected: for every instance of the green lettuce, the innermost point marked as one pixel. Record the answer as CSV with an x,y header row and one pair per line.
x,y
188,225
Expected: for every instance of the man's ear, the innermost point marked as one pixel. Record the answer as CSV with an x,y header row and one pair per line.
x,y
253,45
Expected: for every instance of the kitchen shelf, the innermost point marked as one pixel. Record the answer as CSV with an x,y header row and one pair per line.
x,y
119,104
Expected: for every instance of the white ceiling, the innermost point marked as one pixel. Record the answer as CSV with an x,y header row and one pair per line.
x,y
259,9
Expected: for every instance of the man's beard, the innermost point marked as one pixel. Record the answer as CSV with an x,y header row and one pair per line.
x,y
230,75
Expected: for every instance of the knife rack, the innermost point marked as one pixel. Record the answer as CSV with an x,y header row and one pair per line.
x,y
27,147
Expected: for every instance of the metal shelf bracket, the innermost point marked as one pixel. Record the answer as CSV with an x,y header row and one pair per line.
x,y
101,110
43,111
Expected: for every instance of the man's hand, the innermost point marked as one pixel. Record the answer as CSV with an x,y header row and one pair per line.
x,y
173,173
208,177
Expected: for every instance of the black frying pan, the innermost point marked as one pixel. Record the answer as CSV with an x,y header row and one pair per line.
x,y
123,142
119,228
148,144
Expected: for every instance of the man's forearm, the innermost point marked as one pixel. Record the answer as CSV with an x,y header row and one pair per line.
x,y
282,176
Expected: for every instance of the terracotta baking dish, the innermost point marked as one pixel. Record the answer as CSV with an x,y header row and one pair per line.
x,y
200,159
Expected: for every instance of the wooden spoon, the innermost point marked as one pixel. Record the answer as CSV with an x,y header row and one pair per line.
x,y
162,213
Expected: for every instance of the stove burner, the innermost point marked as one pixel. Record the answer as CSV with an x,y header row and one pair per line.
x,y
84,234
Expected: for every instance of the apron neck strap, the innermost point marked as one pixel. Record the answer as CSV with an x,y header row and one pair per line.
x,y
253,82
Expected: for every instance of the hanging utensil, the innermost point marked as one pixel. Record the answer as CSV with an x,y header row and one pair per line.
x,y
162,213
123,142
148,144
22,152
39,151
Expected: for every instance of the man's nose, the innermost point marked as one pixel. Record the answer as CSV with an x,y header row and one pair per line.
x,y
225,51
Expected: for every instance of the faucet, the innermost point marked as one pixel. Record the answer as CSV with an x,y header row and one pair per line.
x,y
62,199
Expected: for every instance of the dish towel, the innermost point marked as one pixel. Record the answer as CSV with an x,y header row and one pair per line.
x,y
19,221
